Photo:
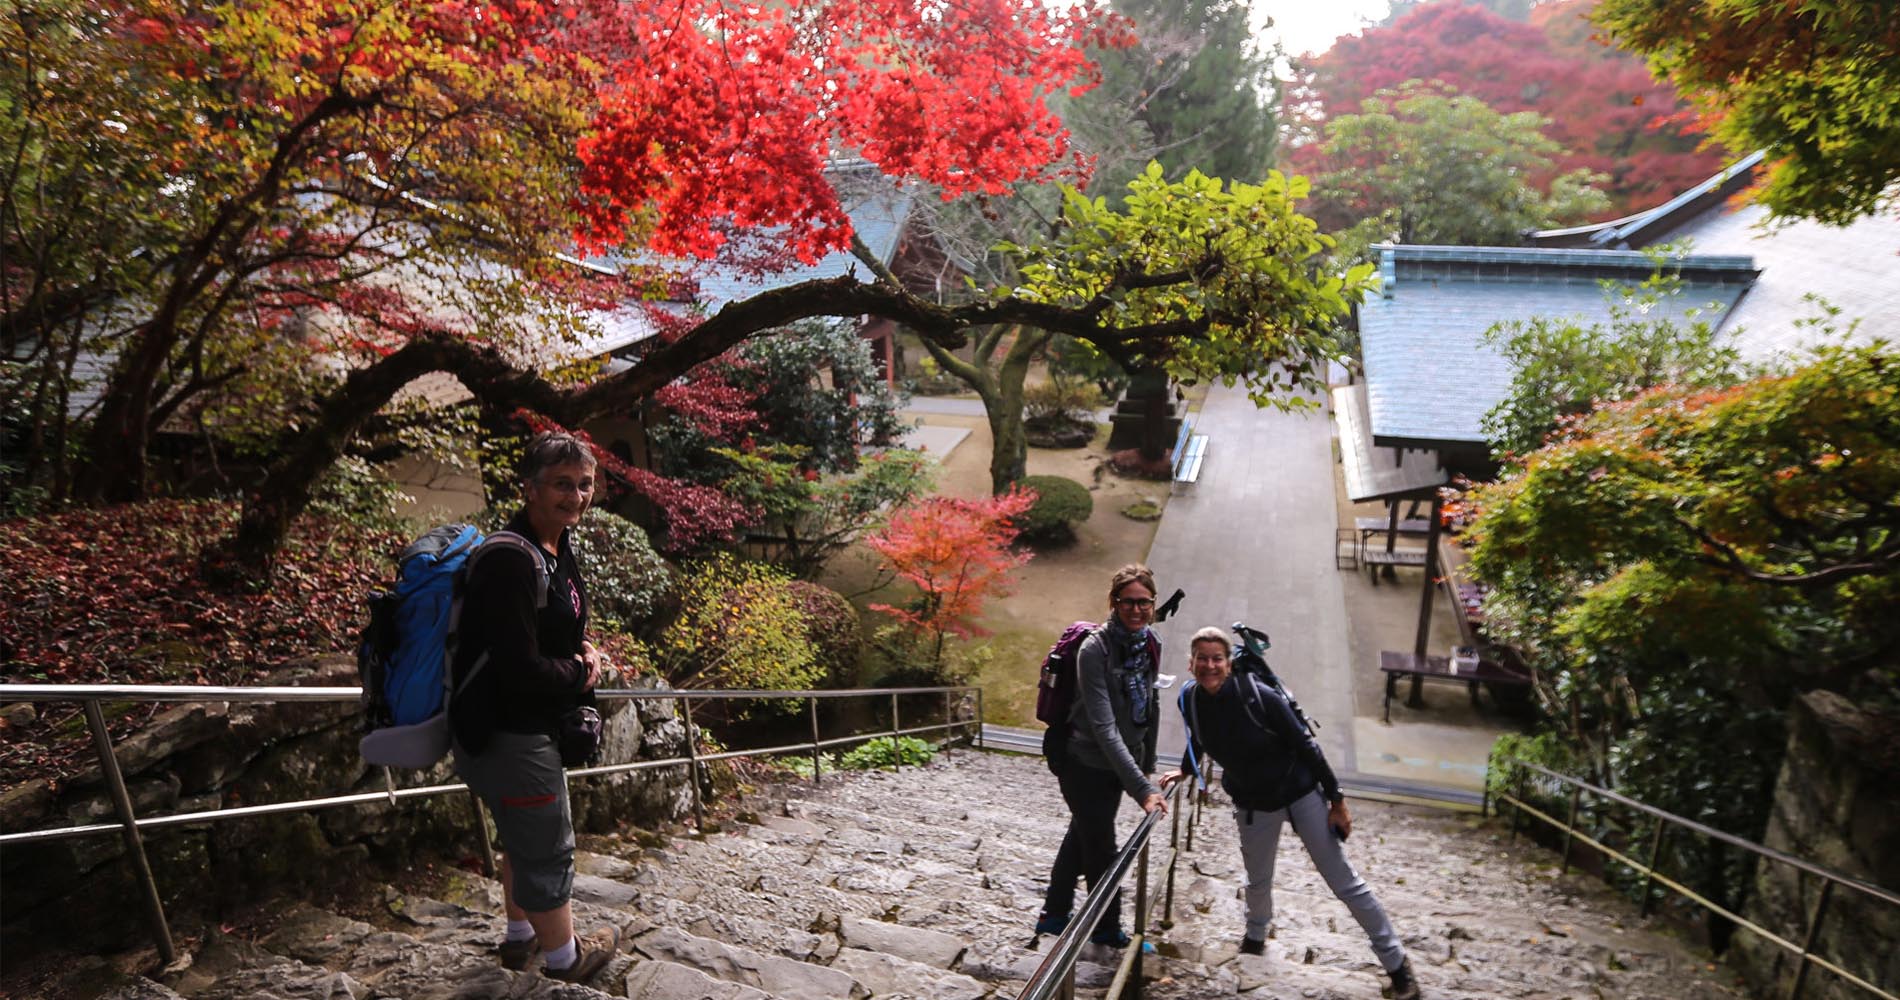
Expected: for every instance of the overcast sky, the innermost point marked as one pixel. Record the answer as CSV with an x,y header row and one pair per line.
x,y
1311,25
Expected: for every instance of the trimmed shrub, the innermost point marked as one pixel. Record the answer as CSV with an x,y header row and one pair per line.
x,y
1071,400
1058,432
837,634
628,583
1060,505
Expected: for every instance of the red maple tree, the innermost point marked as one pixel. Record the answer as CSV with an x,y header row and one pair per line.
x,y
957,553
1605,108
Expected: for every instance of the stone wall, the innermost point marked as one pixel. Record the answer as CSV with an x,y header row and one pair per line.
x,y
210,756
1837,804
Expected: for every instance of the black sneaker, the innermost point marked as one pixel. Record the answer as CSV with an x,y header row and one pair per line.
x,y
1404,984
1051,923
1252,946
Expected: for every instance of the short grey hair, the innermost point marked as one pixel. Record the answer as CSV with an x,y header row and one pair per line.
x,y
550,449
1211,634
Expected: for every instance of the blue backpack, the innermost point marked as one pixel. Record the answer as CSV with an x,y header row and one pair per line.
x,y
406,649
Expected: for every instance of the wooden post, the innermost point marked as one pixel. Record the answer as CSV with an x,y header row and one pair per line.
x,y
1419,645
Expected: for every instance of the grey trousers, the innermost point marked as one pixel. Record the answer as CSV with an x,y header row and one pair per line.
x,y
1259,842
520,780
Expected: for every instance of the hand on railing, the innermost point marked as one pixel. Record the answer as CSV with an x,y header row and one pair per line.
x,y
1157,802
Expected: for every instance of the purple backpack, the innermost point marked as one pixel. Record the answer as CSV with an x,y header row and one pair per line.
x,y
1055,688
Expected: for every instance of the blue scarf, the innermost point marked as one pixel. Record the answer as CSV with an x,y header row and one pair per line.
x,y
1137,668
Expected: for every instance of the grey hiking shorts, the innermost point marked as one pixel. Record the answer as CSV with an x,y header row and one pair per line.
x,y
519,779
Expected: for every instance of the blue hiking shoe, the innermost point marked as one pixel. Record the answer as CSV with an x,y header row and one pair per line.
x,y
1051,923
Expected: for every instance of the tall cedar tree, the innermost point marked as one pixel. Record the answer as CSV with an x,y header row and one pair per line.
x,y
1606,113
1200,84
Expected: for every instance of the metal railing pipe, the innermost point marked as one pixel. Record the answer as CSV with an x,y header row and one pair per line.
x,y
1802,953
1059,964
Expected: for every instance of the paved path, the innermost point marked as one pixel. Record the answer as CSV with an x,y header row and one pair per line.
x,y
1254,543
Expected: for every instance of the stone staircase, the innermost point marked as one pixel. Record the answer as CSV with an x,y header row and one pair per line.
x,y
924,884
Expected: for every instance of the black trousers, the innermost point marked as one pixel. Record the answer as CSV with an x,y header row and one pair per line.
x,y
1093,795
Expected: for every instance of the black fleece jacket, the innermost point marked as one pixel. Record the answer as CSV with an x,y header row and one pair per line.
x,y
534,672
1262,767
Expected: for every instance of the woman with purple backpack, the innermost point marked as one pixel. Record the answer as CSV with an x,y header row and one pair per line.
x,y
1113,723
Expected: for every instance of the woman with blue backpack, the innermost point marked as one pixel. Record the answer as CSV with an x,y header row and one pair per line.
x,y
1273,770
524,676
1113,724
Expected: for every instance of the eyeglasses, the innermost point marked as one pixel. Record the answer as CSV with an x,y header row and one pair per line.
x,y
1133,603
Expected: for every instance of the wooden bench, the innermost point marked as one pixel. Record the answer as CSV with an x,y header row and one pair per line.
x,y
1438,668
1368,526
1373,559
1187,462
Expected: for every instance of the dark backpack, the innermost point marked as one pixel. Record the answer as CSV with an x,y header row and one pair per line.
x,y
1055,688
1251,671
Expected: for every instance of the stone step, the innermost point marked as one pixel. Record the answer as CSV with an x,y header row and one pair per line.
x,y
782,977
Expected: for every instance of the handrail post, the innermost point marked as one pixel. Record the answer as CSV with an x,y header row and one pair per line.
x,y
1655,855
488,843
1807,942
897,756
692,765
817,764
134,844
1570,825
1132,990
1517,805
979,718
948,712
1174,858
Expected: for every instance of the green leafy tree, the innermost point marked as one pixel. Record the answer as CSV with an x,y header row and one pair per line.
x,y
813,386
1674,567
1562,369
1423,164
810,518
1225,279
1817,84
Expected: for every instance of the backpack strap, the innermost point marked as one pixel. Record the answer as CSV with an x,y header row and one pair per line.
x,y
512,540
1190,715
497,540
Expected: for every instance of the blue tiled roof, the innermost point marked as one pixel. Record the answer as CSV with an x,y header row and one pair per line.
x,y
879,210
878,215
1430,377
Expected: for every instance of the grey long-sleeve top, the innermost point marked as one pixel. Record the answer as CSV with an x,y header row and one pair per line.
x,y
1103,732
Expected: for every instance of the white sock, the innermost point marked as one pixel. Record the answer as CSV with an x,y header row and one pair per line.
x,y
565,956
519,930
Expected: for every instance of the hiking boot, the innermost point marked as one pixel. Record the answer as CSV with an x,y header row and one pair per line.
x,y
1114,937
1253,946
1051,923
595,951
515,955
1404,984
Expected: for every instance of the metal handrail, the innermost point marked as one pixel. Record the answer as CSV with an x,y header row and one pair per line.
x,y
1056,975
1803,952
130,824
